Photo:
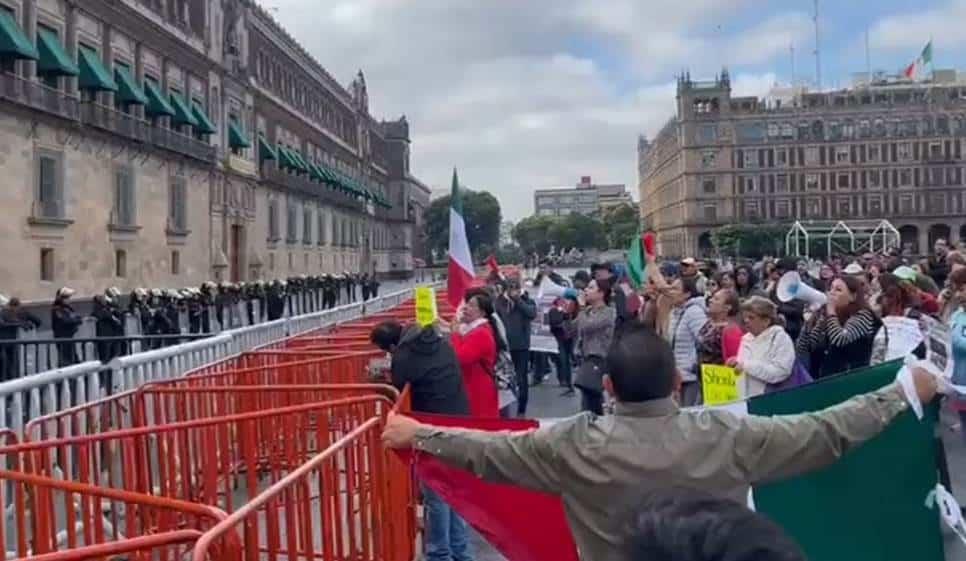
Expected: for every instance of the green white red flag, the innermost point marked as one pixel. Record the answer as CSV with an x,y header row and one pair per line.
x,y
460,269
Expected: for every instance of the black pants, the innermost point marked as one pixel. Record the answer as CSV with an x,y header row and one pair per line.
x,y
592,401
521,365
565,363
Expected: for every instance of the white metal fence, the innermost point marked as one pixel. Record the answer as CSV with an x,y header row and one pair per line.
x,y
27,398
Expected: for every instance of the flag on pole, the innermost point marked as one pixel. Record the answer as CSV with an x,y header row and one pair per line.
x,y
915,70
635,262
460,270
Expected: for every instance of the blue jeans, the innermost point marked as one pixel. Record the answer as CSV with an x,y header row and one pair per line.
x,y
445,534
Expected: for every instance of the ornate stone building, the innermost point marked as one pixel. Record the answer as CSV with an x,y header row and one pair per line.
x,y
892,150
161,143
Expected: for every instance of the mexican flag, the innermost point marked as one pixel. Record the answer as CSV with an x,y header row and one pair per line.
x,y
915,70
460,271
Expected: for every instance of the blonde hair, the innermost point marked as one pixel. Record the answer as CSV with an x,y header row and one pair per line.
x,y
761,307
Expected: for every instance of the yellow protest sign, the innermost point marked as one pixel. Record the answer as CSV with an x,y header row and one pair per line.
x,y
719,384
426,313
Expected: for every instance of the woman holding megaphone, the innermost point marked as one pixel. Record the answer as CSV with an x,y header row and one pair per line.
x,y
839,336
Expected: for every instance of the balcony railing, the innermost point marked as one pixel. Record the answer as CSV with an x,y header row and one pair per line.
x,y
182,144
37,96
117,122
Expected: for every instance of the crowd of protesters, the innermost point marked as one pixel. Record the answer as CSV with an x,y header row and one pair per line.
x,y
161,316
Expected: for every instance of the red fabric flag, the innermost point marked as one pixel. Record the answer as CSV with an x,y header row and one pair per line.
x,y
492,264
649,242
522,525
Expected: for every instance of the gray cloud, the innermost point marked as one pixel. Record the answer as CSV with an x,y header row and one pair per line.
x,y
526,94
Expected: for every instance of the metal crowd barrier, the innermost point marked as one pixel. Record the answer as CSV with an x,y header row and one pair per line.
x,y
44,393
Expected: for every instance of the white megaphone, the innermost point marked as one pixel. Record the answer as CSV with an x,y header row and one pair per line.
x,y
549,289
790,287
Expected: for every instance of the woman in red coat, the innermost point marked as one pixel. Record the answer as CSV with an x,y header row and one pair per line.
x,y
475,342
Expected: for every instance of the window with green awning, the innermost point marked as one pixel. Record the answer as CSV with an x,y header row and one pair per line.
x,y
204,126
300,164
182,113
316,173
285,159
13,41
128,90
237,137
158,105
93,75
265,150
53,59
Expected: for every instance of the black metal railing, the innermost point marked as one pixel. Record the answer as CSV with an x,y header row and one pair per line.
x,y
23,357
114,121
182,144
35,95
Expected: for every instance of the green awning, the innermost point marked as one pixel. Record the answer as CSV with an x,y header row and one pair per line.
x,y
54,60
93,75
300,164
13,42
158,105
316,173
285,159
182,113
265,150
128,90
204,126
237,137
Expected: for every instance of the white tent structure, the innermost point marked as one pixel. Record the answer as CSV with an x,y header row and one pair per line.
x,y
854,236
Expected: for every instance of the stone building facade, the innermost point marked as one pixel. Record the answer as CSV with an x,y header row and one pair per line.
x,y
892,150
586,197
162,143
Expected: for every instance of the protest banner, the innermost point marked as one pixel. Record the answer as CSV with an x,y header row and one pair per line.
x,y
426,312
719,384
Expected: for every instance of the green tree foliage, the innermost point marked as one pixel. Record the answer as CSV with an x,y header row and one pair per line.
x,y
750,240
482,215
540,233
621,224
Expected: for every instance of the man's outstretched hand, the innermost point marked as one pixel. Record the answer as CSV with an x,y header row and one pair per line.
x,y
400,431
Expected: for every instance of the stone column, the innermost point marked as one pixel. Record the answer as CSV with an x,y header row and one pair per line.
x,y
923,248
29,67
107,58
70,45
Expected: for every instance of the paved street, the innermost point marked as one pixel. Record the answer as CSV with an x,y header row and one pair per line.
x,y
546,402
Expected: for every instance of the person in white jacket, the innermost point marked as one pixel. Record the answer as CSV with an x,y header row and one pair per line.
x,y
767,353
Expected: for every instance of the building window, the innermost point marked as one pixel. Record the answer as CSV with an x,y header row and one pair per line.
x,y
875,206
844,207
783,209
781,157
710,212
751,158
842,154
707,133
811,155
872,153
708,185
781,183
843,181
708,159
125,204
50,186
272,220
120,263
811,182
905,151
175,262
291,226
905,177
937,204
773,129
321,228
906,204
47,264
307,225
935,149
788,131
814,208
751,209
178,204
875,178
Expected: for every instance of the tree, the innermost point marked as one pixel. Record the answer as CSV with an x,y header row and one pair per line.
x,y
540,233
481,214
621,224
750,240
531,234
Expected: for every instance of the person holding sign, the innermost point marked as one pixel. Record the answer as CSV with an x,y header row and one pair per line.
x,y
767,354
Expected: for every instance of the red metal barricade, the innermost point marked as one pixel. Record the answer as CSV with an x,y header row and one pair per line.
x,y
204,460
340,505
62,520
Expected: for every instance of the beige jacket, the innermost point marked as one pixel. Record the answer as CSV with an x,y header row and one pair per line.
x,y
603,467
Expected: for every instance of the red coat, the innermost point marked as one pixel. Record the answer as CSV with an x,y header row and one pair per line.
x,y
476,353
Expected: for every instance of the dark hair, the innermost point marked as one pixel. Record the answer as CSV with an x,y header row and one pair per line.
x,y
732,300
386,335
689,285
640,364
677,524
604,286
894,298
485,302
856,287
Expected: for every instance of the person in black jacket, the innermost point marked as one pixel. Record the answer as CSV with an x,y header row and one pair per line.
x,y
422,358
517,311
65,322
276,300
13,318
364,283
108,324
793,312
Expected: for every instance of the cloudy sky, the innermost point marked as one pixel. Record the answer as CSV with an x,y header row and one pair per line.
x,y
525,94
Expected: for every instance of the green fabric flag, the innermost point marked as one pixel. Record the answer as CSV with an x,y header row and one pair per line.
x,y
871,503
635,262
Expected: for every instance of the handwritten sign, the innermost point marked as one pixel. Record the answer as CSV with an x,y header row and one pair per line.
x,y
426,313
719,384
